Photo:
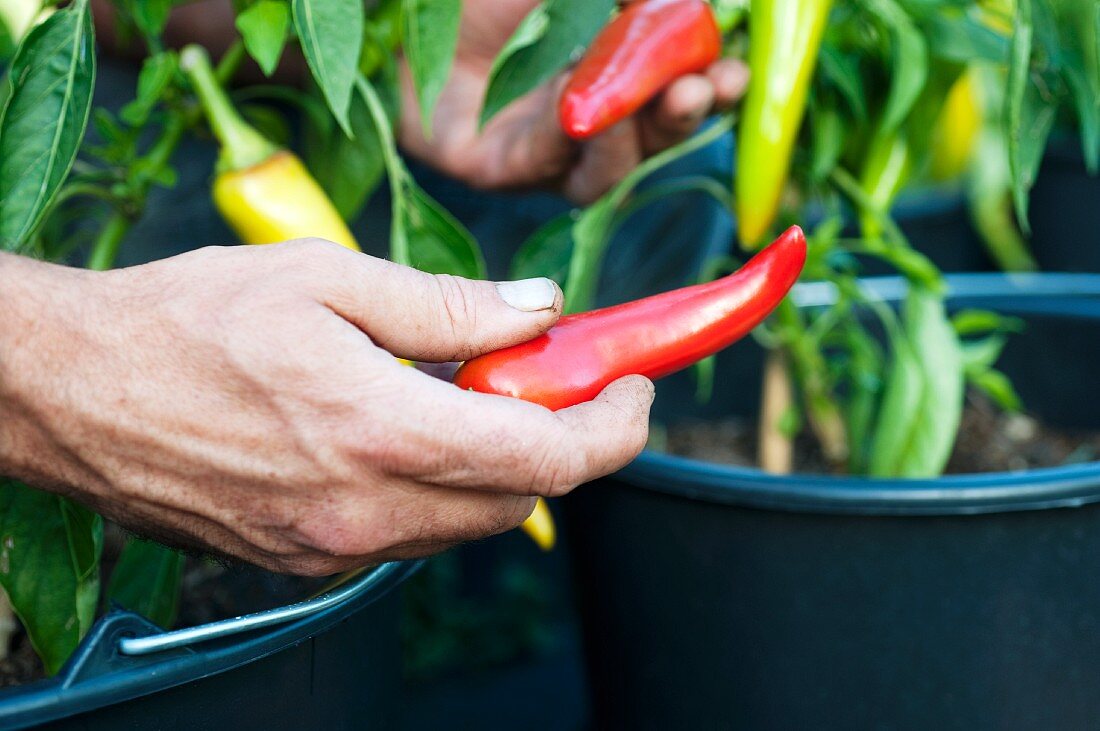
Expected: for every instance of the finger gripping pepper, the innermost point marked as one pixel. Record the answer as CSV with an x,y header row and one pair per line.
x,y
655,336
263,192
646,47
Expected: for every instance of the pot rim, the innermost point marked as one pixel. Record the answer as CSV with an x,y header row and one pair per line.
x,y
99,675
1069,295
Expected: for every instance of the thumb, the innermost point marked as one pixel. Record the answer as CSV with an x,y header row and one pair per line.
x,y
438,317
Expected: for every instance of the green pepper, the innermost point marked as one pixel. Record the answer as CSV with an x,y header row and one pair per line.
x,y
784,39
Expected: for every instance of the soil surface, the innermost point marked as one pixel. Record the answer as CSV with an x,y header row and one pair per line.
x,y
990,440
21,664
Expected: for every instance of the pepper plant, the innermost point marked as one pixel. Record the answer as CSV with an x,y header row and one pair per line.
x,y
861,83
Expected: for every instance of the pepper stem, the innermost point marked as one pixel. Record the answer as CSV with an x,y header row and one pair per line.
x,y
241,145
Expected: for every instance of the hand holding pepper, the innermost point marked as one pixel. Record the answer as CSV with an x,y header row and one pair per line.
x,y
242,400
524,146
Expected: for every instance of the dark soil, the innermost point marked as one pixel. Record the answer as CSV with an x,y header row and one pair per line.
x,y
989,441
21,665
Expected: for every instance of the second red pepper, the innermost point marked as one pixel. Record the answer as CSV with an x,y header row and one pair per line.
x,y
653,337
646,47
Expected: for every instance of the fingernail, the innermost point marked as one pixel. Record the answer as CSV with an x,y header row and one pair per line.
x,y
529,295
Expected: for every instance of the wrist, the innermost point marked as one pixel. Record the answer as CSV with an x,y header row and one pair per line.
x,y
33,297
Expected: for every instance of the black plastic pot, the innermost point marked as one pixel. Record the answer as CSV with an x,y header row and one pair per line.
x,y
721,597
1064,216
335,666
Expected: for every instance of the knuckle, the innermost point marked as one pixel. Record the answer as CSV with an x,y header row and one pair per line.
x,y
556,467
459,306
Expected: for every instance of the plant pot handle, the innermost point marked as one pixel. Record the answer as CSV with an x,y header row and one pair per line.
x,y
380,577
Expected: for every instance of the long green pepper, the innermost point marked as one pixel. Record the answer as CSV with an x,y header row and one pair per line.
x,y
784,40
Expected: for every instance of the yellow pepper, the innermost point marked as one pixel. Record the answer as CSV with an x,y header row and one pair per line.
x,y
264,192
540,526
266,195
957,130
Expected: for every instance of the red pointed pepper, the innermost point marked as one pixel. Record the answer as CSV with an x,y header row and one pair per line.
x,y
654,336
646,47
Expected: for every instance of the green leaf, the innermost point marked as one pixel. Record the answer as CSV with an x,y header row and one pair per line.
x,y
438,243
546,252
44,119
865,374
997,386
923,399
551,35
151,16
703,371
842,71
349,169
828,133
49,566
1078,51
900,406
593,228
976,322
8,45
263,28
155,78
979,355
146,580
964,38
430,39
910,62
1028,118
331,34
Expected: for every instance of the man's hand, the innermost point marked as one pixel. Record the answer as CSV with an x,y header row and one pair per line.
x,y
523,146
245,400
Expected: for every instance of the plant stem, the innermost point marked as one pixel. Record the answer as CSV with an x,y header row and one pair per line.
x,y
105,250
108,242
594,228
241,145
7,623
395,171
851,188
808,364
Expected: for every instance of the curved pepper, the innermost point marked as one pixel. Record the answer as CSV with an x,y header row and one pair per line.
x,y
653,337
784,39
263,192
646,47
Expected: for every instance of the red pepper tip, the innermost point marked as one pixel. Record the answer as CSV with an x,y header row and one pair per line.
x,y
574,122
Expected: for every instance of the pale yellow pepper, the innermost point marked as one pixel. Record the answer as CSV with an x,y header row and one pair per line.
x,y
264,192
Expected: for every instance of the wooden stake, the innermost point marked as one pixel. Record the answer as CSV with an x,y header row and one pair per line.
x,y
776,450
7,624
